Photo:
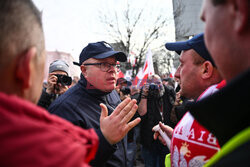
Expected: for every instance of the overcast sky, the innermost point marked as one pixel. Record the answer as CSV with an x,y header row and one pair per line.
x,y
69,25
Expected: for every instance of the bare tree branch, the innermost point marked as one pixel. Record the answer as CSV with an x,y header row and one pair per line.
x,y
127,32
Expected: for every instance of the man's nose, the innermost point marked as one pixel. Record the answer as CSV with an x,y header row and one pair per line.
x,y
177,73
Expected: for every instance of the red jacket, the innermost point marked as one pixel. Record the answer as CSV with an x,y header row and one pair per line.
x,y
30,136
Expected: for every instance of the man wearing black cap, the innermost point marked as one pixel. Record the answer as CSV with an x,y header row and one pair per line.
x,y
194,61
58,83
192,144
81,103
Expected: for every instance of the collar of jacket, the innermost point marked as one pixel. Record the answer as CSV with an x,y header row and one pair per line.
x,y
226,112
91,89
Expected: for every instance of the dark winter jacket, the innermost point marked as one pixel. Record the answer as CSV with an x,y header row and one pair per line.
x,y
46,99
80,105
152,118
226,114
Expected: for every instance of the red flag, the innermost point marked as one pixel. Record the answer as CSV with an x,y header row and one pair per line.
x,y
120,75
148,69
170,75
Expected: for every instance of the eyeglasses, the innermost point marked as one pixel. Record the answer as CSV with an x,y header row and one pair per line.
x,y
105,67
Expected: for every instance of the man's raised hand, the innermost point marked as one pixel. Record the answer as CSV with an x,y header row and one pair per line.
x,y
115,126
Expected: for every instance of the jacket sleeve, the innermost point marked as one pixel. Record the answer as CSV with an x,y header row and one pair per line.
x,y
68,112
45,99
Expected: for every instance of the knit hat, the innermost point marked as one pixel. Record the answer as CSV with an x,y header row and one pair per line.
x,y
59,65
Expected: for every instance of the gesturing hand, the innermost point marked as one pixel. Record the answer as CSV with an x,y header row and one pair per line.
x,y
117,125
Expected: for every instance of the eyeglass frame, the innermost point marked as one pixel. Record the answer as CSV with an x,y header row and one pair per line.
x,y
117,66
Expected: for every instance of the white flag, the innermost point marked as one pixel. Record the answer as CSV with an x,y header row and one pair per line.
x,y
148,69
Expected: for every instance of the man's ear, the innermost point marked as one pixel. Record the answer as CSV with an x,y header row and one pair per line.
x,y
241,14
207,70
83,69
23,68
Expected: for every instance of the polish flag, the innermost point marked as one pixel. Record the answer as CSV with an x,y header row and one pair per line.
x,y
120,74
173,70
148,69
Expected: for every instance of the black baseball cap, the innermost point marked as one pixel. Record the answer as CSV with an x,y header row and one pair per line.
x,y
100,50
197,43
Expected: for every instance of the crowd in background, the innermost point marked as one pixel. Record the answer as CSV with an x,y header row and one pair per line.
x,y
199,118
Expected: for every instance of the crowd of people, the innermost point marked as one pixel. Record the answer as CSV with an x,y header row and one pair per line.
x,y
103,120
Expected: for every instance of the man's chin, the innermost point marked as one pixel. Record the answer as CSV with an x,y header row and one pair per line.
x,y
109,89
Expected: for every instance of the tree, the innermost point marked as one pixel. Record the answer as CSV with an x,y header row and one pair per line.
x,y
180,29
163,62
136,30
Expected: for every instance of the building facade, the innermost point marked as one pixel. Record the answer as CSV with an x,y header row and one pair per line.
x,y
187,21
187,18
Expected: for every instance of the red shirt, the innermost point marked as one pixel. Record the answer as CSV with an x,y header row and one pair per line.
x,y
31,137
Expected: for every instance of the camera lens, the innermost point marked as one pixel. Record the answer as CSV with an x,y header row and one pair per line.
x,y
153,86
153,90
64,79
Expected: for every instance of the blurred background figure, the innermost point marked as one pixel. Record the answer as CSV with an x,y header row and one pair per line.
x,y
134,92
155,106
168,82
58,83
122,88
75,80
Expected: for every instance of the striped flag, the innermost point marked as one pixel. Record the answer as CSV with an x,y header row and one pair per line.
x,y
148,69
